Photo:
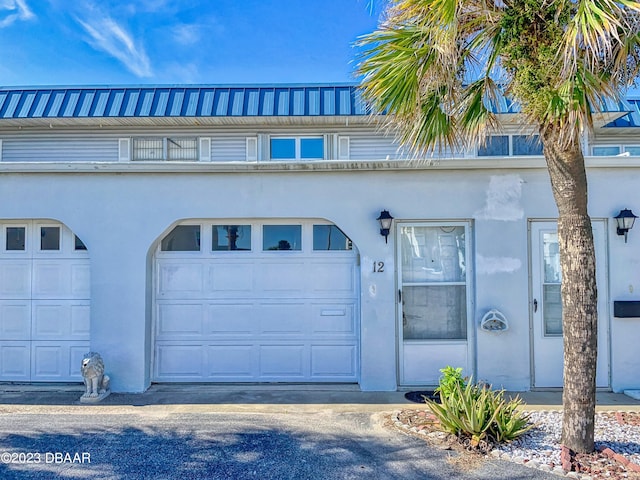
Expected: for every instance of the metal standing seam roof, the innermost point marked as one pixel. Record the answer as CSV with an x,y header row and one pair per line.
x,y
215,101
187,101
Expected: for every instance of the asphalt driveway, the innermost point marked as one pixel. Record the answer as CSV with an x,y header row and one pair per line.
x,y
89,443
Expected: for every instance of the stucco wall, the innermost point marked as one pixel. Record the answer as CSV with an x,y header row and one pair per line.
x,y
121,216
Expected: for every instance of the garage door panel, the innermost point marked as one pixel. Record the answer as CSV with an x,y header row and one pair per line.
x,y
333,320
234,362
286,278
51,278
227,278
80,279
333,278
182,362
282,361
180,280
56,361
60,320
331,361
231,319
15,361
179,320
282,318
15,319
15,279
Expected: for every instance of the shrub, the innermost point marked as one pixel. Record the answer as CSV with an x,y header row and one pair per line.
x,y
476,412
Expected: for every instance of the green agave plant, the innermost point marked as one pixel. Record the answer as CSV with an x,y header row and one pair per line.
x,y
480,413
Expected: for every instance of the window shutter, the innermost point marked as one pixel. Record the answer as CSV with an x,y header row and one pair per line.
x,y
205,149
124,152
252,149
343,148
1,153
329,147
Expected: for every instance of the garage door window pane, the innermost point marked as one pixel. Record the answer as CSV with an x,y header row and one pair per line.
x,y
183,238
282,237
15,238
231,237
79,244
49,238
330,237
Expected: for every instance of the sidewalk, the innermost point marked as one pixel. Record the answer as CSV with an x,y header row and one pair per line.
x,y
183,398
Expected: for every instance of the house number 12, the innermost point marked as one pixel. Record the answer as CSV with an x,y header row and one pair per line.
x,y
378,267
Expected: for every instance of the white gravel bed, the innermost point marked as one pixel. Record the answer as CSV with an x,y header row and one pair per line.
x,y
542,443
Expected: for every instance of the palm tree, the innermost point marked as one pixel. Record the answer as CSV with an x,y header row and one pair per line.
x,y
436,66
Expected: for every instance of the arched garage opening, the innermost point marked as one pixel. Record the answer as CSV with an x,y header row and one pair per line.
x,y
255,301
44,302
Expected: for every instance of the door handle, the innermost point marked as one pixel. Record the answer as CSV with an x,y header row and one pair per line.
x,y
535,305
399,296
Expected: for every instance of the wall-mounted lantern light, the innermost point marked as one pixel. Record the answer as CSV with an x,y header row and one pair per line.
x,y
385,220
625,220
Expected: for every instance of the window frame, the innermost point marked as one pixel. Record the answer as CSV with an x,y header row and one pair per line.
x,y
166,149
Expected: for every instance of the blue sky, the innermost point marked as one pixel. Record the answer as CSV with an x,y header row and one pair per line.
x,y
110,42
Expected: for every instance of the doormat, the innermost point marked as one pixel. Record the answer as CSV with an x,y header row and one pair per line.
x,y
418,396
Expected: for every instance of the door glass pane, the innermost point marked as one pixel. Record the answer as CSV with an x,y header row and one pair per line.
x,y
183,238
283,148
433,254
231,237
15,238
436,312
49,238
552,309
551,251
434,292
312,148
330,237
551,298
282,237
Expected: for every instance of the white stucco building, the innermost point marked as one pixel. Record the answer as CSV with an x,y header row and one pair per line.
x,y
230,234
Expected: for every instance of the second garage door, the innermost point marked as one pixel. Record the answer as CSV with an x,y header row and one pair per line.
x,y
250,301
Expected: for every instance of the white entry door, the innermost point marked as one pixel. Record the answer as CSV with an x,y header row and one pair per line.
x,y
547,305
44,302
434,300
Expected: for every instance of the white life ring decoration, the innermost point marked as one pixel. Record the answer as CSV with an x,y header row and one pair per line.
x,y
494,321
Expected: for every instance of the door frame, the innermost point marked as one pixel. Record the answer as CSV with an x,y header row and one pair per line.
x,y
603,297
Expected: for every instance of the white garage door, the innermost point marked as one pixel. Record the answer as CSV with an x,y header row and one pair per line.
x,y
44,302
256,302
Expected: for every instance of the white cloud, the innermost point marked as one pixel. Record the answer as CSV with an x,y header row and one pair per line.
x,y
12,10
108,36
185,34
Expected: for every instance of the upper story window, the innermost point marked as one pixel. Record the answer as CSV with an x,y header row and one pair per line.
x,y
167,148
507,145
613,150
297,148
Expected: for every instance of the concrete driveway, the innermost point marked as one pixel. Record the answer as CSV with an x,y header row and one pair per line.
x,y
164,442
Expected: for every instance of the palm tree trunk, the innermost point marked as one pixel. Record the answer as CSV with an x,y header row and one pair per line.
x,y
579,296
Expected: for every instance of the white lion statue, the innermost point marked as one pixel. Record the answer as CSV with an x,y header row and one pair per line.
x,y
95,381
